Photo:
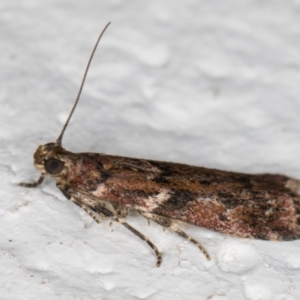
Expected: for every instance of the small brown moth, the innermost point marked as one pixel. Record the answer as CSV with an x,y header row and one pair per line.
x,y
260,206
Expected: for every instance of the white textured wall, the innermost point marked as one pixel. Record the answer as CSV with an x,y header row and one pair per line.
x,y
210,83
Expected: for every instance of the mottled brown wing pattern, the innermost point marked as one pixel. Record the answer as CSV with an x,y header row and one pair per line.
x,y
254,206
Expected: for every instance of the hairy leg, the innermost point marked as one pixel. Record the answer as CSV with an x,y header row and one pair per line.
x,y
170,224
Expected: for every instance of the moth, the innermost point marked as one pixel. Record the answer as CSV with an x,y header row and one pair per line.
x,y
262,206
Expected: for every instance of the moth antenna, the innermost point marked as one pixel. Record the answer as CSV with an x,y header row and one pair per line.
x,y
58,141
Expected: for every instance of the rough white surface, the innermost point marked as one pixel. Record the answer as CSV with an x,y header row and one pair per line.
x,y
211,83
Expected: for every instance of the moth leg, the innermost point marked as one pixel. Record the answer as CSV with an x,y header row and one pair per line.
x,y
32,184
117,216
121,211
144,238
90,212
168,223
189,238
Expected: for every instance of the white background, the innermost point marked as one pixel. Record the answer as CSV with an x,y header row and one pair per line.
x,y
209,83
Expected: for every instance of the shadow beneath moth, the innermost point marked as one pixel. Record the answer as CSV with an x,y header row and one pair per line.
x,y
262,206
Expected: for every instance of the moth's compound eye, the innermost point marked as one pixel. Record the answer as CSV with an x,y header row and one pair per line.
x,y
53,166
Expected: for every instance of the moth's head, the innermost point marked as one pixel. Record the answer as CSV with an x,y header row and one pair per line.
x,y
47,159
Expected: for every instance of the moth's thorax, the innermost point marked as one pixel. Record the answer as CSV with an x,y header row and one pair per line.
x,y
46,152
